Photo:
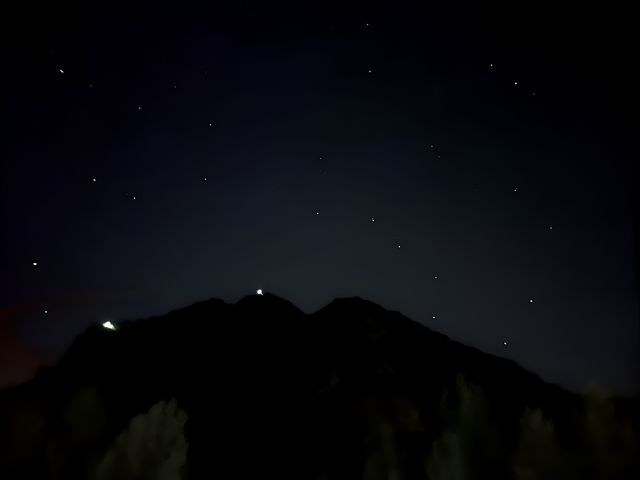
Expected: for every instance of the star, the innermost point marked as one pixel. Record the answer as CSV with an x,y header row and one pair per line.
x,y
370,71
211,124
504,343
515,83
531,300
46,311
373,220
93,179
61,71
204,178
139,107
435,277
35,264
259,291
515,189
317,213
431,146
551,227
398,246
433,317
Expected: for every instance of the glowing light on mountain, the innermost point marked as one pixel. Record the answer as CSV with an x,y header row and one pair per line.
x,y
108,325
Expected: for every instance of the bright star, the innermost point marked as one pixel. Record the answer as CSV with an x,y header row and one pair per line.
x,y
504,343
373,220
259,291
531,300
35,264
515,83
61,71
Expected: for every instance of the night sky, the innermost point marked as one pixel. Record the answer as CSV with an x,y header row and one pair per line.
x,y
470,164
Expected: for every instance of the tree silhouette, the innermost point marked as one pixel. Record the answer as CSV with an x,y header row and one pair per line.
x,y
539,455
153,447
469,446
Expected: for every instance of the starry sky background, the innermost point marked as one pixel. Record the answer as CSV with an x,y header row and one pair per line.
x,y
470,164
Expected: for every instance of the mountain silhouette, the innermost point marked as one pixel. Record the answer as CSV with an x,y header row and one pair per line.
x,y
268,390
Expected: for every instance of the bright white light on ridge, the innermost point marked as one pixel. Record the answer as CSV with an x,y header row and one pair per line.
x,y
108,325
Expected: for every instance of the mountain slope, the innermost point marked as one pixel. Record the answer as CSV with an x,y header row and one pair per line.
x,y
268,388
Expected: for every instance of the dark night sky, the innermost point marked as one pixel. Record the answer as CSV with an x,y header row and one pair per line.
x,y
468,164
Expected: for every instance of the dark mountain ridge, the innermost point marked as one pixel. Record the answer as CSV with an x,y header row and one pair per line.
x,y
268,388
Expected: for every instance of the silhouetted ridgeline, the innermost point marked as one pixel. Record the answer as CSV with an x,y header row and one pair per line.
x,y
259,389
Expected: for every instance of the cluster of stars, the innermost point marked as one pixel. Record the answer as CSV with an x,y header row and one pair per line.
x,y
431,147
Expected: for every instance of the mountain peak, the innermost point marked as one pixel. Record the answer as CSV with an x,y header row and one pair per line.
x,y
262,365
